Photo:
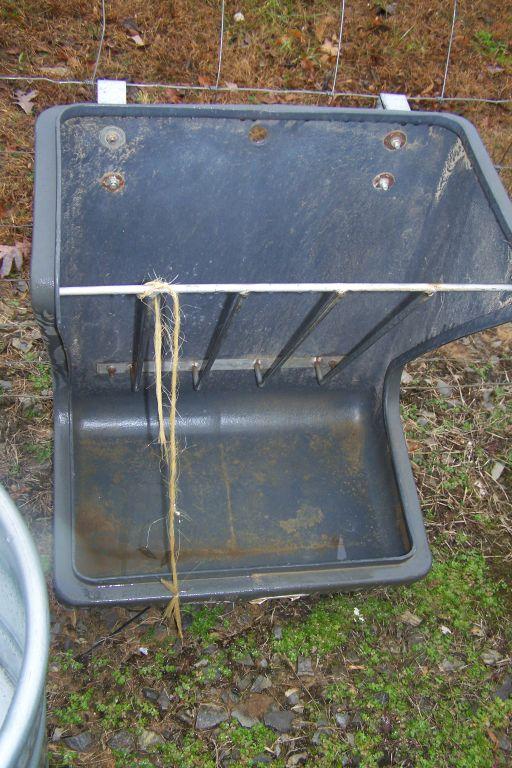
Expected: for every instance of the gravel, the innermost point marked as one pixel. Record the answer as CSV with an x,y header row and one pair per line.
x,y
210,716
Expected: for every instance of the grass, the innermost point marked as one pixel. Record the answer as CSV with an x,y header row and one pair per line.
x,y
495,49
407,665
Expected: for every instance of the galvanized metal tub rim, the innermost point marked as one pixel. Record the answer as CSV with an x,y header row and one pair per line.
x,y
17,727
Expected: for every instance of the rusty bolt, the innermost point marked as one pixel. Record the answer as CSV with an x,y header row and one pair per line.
x,y
383,181
113,181
395,140
111,370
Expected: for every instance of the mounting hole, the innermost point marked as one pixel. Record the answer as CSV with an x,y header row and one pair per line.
x,y
383,181
395,140
258,133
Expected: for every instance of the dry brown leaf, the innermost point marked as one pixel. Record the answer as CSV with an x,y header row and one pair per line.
x,y
55,71
12,255
329,47
326,23
133,32
25,100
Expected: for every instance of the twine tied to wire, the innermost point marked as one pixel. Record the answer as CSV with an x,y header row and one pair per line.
x,y
154,291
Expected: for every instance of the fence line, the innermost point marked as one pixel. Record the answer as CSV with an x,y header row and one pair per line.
x,y
331,93
449,52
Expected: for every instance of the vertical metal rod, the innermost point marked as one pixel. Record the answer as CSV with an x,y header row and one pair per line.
x,y
231,306
391,320
140,343
315,316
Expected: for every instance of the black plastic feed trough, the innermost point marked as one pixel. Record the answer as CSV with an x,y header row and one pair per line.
x,y
315,251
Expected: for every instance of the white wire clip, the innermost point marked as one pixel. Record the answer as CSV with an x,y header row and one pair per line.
x,y
111,92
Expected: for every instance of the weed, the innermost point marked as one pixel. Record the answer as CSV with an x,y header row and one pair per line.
x,y
204,621
78,704
41,378
496,49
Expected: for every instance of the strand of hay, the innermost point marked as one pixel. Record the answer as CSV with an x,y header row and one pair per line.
x,y
154,290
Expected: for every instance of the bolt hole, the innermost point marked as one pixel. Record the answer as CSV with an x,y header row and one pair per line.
x,y
258,134
383,181
395,140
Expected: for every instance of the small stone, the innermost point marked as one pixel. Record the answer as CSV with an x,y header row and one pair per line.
x,y
245,682
230,697
304,667
4,384
57,734
263,663
450,666
56,629
149,739
238,17
256,705
22,286
210,716
150,694
505,743
299,758
279,720
316,739
262,759
245,720
406,378
261,684
163,701
410,618
444,388
21,345
82,742
292,696
491,657
211,649
185,717
246,661
278,632
110,617
504,691
382,698
342,720
122,740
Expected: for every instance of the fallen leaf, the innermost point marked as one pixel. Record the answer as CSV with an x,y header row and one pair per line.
x,y
25,100
329,47
9,255
204,81
231,86
323,25
410,618
133,32
172,96
55,71
497,470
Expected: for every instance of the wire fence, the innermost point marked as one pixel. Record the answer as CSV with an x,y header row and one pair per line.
x,y
327,93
